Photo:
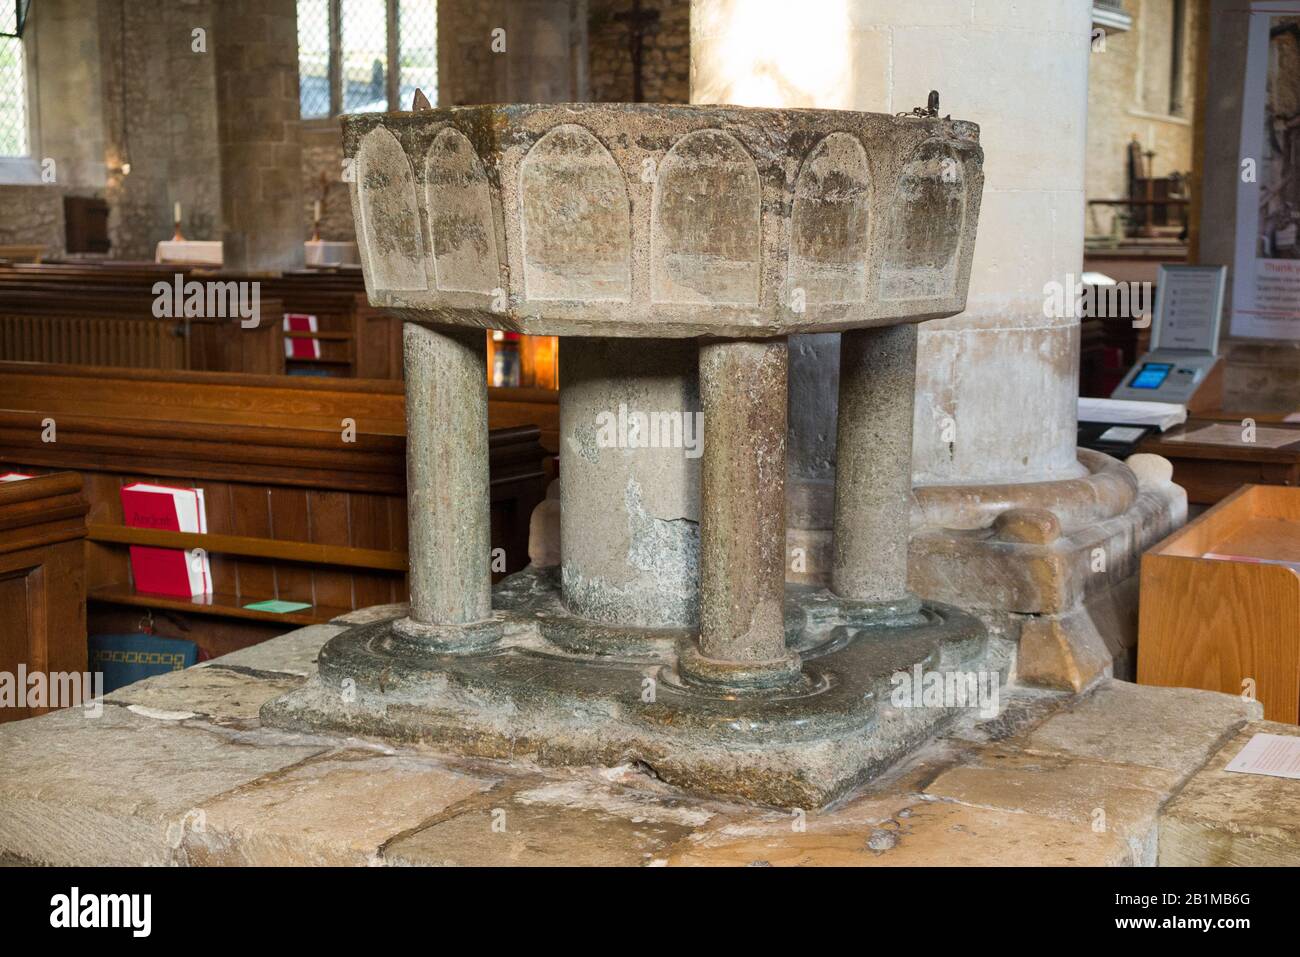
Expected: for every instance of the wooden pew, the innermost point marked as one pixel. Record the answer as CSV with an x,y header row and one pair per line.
x,y
349,325
304,482
355,339
73,322
42,578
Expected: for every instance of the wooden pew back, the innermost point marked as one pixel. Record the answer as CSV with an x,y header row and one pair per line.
x,y
304,484
354,338
42,579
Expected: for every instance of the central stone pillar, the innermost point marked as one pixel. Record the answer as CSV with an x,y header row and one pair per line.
x,y
629,458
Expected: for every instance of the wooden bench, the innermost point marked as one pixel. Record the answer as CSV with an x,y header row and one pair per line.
x,y
72,322
304,483
42,578
355,339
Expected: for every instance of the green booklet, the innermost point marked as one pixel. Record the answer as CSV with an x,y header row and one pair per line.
x,y
277,607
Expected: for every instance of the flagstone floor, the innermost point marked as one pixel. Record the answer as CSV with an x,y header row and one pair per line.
x,y
177,770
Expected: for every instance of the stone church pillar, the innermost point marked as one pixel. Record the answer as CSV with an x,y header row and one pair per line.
x,y
255,43
995,410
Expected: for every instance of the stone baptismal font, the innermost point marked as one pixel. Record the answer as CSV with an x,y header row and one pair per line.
x,y
675,248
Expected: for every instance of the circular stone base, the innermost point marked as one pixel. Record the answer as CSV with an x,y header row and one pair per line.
x,y
899,611
732,677
582,636
447,639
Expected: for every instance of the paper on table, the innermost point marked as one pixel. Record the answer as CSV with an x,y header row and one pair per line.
x,y
1131,412
1276,755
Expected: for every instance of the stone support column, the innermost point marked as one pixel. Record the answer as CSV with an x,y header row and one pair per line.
x,y
742,515
629,489
258,134
447,481
874,489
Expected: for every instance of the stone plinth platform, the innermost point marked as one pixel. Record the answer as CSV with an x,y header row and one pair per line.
x,y
179,770
562,690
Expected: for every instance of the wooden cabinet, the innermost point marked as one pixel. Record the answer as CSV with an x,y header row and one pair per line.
x,y
1230,625
42,578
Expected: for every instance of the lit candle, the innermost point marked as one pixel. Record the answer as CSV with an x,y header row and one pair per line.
x,y
176,213
318,210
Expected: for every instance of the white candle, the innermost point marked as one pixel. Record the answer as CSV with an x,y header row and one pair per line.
x,y
318,210
176,213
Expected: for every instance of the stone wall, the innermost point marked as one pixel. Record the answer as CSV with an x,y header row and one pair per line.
x,y
160,115
322,179
1129,96
258,134
468,70
124,85
32,214
67,130
666,64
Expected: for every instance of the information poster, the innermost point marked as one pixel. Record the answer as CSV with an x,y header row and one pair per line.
x,y
1188,305
1266,284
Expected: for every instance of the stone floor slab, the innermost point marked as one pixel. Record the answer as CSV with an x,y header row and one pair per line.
x,y
177,769
1176,729
1225,818
118,788
335,810
225,694
1121,798
555,822
919,833
294,653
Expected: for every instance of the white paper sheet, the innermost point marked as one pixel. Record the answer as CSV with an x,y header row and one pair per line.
x,y
1275,755
1132,412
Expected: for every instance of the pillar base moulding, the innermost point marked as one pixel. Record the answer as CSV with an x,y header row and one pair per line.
x,y
1050,567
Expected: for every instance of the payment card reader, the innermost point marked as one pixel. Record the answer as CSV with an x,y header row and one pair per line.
x,y
1183,366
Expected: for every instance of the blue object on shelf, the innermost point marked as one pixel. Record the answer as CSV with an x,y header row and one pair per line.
x,y
126,659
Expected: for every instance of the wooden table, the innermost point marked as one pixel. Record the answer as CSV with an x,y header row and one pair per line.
x,y
1211,465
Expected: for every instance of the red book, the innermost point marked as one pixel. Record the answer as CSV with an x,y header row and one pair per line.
x,y
167,571
300,347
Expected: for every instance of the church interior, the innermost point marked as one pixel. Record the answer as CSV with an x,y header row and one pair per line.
x,y
649,433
